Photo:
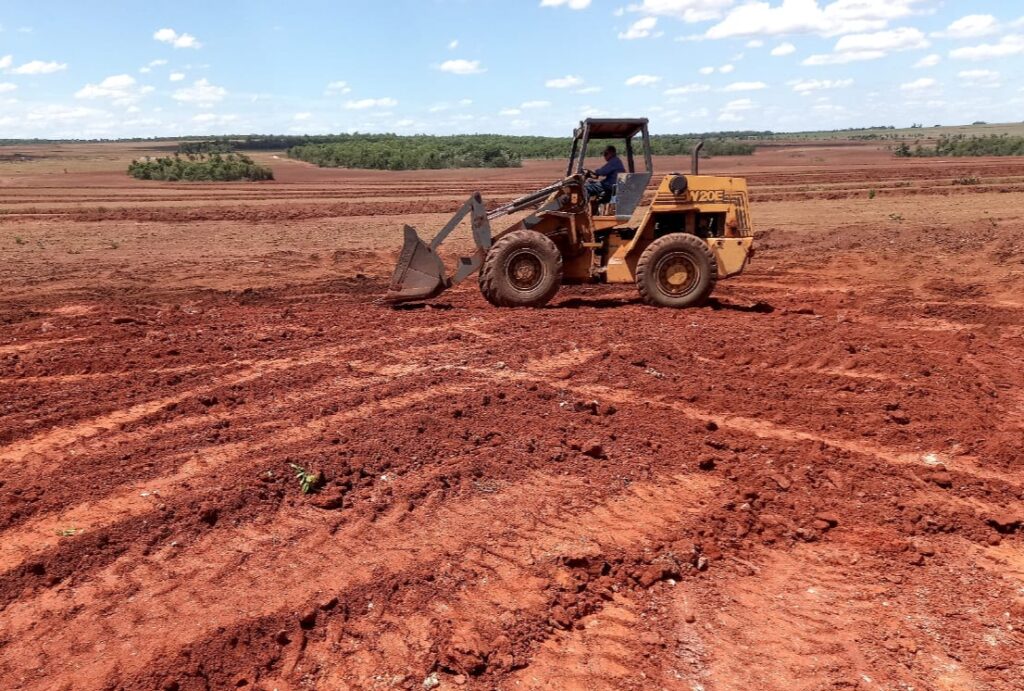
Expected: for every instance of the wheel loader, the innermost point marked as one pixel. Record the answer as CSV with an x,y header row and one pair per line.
x,y
694,230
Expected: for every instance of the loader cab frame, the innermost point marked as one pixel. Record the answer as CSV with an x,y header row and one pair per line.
x,y
629,188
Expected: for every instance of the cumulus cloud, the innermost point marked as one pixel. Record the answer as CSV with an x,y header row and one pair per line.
x,y
567,82
707,70
983,78
971,26
367,103
689,11
201,92
641,28
783,49
726,69
687,89
172,37
453,44
38,67
871,46
745,86
807,17
731,111
928,61
809,85
643,80
462,67
120,88
6,61
337,88
589,90
1012,44
176,76
7,87
919,84
571,4
510,111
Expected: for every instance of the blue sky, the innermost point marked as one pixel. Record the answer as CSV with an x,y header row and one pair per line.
x,y
111,69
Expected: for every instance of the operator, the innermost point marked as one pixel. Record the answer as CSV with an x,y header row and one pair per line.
x,y
609,171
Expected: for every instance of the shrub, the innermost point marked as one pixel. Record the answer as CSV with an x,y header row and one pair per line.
x,y
199,167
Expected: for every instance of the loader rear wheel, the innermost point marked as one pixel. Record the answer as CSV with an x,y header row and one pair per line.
x,y
676,270
522,269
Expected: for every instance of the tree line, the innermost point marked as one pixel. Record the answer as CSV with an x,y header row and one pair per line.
x,y
199,167
962,145
394,152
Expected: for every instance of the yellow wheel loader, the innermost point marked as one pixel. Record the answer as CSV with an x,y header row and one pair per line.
x,y
694,230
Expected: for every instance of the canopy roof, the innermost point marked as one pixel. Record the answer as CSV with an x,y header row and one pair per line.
x,y
613,128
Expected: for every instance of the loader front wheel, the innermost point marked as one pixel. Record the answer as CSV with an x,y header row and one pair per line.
x,y
522,269
676,270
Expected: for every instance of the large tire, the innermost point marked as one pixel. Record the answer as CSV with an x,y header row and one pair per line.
x,y
522,269
676,270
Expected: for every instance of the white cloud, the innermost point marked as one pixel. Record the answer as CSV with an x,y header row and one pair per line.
x,y
783,49
928,61
919,84
1012,44
453,44
726,69
690,11
176,76
809,85
534,104
642,80
160,62
843,58
755,43
337,88
366,103
213,119
172,37
687,89
971,26
202,92
745,86
6,61
872,46
55,113
980,78
302,116
7,87
39,67
121,89
807,17
571,4
510,111
731,111
706,70
462,67
567,82
641,28
904,38
589,90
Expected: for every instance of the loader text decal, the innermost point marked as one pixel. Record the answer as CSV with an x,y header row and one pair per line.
x,y
706,195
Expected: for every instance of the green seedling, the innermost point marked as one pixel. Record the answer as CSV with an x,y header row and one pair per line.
x,y
309,482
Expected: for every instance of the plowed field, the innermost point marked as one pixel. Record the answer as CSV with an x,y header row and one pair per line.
x,y
813,482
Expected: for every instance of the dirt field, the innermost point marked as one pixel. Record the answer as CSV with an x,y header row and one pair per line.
x,y
814,482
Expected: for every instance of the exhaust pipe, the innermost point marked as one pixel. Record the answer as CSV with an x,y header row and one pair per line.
x,y
695,166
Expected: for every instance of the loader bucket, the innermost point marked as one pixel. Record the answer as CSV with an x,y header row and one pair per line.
x,y
419,274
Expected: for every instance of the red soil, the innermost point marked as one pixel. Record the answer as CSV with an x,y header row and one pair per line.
x,y
813,482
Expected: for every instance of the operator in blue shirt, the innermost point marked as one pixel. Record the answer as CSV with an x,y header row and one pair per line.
x,y
609,171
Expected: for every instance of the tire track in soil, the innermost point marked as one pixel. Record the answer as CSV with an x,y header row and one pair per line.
x,y
54,439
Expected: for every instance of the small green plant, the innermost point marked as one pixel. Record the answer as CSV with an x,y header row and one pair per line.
x,y
896,217
18,240
68,532
308,482
967,180
872,193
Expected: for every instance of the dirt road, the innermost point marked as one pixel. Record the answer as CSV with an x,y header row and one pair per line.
x,y
814,482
